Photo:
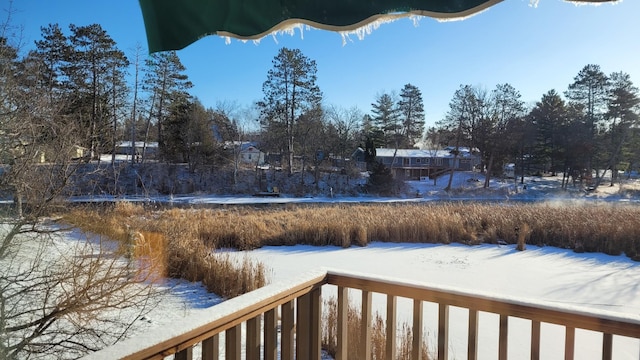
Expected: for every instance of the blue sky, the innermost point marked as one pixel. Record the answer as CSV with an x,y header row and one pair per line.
x,y
535,49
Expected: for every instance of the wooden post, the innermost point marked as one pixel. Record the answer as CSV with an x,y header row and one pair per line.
x,y
343,306
233,343
287,330
569,343
503,337
416,349
472,340
391,327
253,338
211,348
186,354
303,327
365,330
443,331
535,340
270,335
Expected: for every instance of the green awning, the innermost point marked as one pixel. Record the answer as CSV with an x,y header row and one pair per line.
x,y
174,24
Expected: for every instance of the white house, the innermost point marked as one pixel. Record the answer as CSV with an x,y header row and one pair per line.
x,y
247,151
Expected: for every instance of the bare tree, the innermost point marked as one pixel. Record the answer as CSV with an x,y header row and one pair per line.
x,y
56,300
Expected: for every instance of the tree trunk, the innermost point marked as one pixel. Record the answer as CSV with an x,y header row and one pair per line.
x,y
487,177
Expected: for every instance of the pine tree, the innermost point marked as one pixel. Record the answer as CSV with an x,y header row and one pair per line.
x,y
168,86
95,67
289,91
411,110
386,119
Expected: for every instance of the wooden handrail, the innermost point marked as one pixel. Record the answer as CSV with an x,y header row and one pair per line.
x,y
207,323
299,306
604,322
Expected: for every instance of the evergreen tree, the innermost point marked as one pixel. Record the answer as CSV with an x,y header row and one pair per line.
x,y
549,119
386,119
94,68
168,87
289,91
411,109
589,93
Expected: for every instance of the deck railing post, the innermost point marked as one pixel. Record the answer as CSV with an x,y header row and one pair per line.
x,y
303,327
390,352
270,335
417,330
316,323
503,337
365,329
472,338
287,331
607,347
535,340
253,342
343,308
186,354
211,348
569,342
233,343
443,331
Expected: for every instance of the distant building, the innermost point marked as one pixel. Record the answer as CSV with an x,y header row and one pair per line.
x,y
125,148
417,164
247,150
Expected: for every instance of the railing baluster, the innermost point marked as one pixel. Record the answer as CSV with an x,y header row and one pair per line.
x,y
391,327
211,348
443,331
472,338
535,340
503,337
343,307
303,327
607,346
365,330
287,330
416,348
569,343
186,354
270,335
253,338
316,326
233,343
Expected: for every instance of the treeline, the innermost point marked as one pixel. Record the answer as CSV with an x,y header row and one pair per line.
x,y
79,84
80,81
594,127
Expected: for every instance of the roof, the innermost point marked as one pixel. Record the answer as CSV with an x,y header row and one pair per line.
x,y
420,153
138,144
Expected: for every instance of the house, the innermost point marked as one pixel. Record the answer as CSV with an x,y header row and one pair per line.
x,y
126,148
418,164
248,152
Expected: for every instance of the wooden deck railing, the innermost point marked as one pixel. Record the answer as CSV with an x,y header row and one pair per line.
x,y
298,304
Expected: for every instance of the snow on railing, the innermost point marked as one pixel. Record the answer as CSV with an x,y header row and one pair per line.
x,y
298,304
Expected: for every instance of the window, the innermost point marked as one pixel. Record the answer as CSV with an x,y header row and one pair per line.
x,y
438,161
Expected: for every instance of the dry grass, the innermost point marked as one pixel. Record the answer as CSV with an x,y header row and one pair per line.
x,y
191,235
378,334
172,241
